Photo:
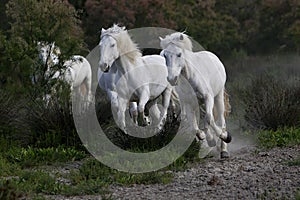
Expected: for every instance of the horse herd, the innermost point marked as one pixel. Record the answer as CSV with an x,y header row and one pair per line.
x,y
129,78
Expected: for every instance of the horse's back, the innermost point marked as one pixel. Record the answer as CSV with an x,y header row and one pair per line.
x,y
155,67
81,68
211,64
210,70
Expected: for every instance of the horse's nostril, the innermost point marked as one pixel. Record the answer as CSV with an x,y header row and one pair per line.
x,y
104,67
175,79
172,81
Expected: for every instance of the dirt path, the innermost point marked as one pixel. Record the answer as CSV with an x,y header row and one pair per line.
x,y
248,174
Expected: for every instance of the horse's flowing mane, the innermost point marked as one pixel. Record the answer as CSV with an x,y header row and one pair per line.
x,y
179,39
125,45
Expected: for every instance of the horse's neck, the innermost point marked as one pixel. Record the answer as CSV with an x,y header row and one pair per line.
x,y
187,72
192,73
125,64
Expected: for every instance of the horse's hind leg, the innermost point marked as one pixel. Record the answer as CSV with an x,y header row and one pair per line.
x,y
133,111
209,120
88,85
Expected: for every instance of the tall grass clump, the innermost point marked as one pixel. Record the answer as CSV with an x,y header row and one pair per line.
x,y
271,103
9,112
50,121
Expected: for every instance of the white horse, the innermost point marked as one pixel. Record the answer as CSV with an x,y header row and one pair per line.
x,y
139,78
206,74
106,83
76,72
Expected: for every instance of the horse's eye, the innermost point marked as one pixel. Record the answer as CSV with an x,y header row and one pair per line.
x,y
112,45
179,55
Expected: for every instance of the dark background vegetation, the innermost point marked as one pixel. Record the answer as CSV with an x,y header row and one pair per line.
x,y
247,35
258,41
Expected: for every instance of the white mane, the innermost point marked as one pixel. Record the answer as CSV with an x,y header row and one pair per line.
x,y
179,39
125,45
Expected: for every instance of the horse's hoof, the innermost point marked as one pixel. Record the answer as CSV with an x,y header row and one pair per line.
x,y
198,135
224,154
204,149
212,143
228,139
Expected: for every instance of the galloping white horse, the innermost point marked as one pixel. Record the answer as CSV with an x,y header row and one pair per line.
x,y
138,78
106,83
77,71
206,74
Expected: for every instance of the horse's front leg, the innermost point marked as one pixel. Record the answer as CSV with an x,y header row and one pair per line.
x,y
166,102
121,114
144,98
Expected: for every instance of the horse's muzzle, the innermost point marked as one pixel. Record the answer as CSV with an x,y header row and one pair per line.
x,y
104,67
173,81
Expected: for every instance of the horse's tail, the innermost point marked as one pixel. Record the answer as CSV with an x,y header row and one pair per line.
x,y
226,104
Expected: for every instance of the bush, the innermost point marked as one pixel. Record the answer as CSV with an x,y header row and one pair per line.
x,y
8,112
271,103
51,124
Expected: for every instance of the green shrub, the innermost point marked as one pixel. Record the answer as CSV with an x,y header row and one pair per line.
x,y
9,112
51,124
280,138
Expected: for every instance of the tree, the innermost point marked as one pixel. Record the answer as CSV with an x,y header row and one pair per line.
x,y
130,13
32,21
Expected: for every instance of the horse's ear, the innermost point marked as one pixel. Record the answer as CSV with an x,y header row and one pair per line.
x,y
123,28
57,51
162,53
160,38
181,37
102,30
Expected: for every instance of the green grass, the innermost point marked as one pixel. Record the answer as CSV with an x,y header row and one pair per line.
x,y
295,162
93,170
29,157
23,173
280,138
298,195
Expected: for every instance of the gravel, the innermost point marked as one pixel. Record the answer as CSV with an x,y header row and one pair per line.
x,y
247,174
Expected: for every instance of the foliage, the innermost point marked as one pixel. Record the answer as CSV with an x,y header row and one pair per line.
x,y
9,111
221,26
128,13
28,157
280,138
52,124
57,21
94,170
295,162
8,191
271,103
